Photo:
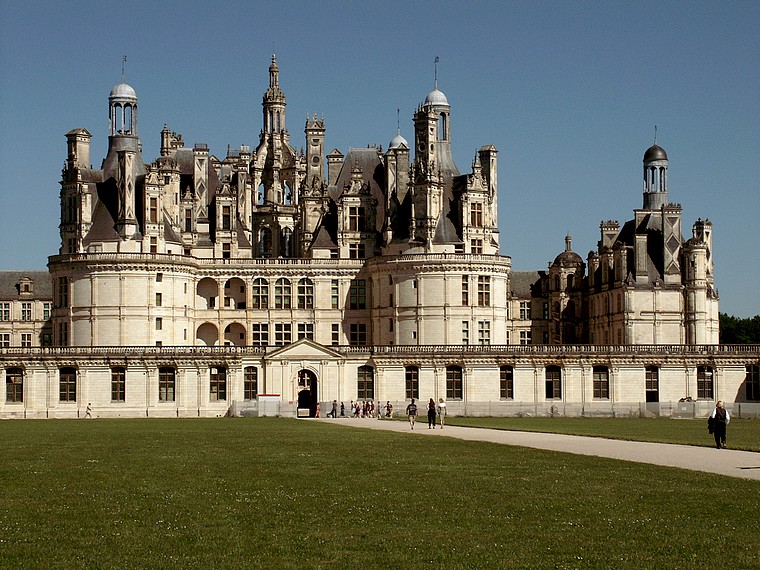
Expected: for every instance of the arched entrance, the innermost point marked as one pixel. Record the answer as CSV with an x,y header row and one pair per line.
x,y
307,392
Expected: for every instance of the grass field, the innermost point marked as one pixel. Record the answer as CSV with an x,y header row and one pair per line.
x,y
743,434
283,493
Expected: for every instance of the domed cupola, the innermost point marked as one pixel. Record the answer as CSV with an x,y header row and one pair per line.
x,y
436,97
398,142
122,109
568,258
655,177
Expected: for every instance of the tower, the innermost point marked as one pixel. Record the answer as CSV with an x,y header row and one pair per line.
x,y
655,178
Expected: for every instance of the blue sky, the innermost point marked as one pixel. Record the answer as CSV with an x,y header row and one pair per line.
x,y
569,93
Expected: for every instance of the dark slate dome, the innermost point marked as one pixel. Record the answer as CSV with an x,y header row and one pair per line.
x,y
655,152
568,257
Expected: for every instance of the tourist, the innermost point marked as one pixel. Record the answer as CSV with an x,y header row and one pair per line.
x,y
388,409
316,414
717,423
411,413
334,412
441,410
431,414
88,411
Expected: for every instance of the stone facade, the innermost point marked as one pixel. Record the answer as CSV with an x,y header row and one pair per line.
x,y
391,253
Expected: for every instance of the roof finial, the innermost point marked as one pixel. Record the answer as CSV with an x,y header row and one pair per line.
x,y
437,59
398,121
123,65
655,134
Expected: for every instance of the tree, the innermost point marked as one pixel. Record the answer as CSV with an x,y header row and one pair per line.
x,y
739,331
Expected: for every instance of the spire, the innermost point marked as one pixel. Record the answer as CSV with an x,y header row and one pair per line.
x,y
568,242
274,73
398,121
437,59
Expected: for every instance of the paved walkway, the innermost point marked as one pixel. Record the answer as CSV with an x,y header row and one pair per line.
x,y
743,464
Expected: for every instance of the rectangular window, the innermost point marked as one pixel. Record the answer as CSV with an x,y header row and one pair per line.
x,y
188,220
752,382
704,382
14,385
218,384
476,246
484,291
159,299
356,219
166,384
525,338
357,334
5,340
26,340
484,332
153,211
67,384
335,334
465,290
159,323
454,383
260,334
506,383
46,339
63,334
335,294
250,383
26,311
356,251
282,294
652,384
118,384
357,295
545,311
283,334
153,245
305,294
476,215
365,383
465,332
412,382
226,218
159,277
601,383
524,310
5,311
306,330
553,383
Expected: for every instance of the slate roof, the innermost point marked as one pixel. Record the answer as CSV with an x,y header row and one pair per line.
x,y
523,282
43,284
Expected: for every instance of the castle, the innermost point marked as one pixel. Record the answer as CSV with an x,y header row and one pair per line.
x,y
278,278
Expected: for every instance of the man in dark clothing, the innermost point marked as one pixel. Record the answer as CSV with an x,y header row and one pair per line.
x,y
411,412
717,422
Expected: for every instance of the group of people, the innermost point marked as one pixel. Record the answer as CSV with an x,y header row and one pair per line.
x,y
433,410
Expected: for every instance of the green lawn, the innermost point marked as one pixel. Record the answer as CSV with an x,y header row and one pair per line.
x,y
284,493
742,433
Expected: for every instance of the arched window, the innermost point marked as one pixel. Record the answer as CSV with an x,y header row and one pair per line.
x,y
282,294
454,383
365,383
265,242
286,243
507,383
14,385
250,383
305,294
553,383
412,374
443,126
601,383
260,293
704,382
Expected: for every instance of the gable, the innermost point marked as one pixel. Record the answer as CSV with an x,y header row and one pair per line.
x,y
304,349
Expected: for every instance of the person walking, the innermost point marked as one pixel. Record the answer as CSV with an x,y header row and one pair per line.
x,y
411,413
334,412
431,414
441,410
717,423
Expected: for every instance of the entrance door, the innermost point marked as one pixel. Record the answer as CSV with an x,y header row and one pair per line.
x,y
307,391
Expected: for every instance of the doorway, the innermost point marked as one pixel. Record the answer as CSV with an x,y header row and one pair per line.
x,y
307,392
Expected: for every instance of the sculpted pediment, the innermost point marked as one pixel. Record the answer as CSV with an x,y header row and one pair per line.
x,y
304,349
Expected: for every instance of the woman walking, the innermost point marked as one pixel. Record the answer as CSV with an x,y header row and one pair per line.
x,y
441,410
718,421
431,414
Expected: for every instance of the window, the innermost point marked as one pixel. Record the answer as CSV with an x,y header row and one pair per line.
x,y
260,293
26,340
365,383
159,299
484,291
553,383
188,220
118,384
218,384
545,310
465,290
26,311
412,375
250,383
153,245
465,332
652,384
63,291
357,295
525,338
265,242
67,384
356,219
356,251
484,332
5,311
357,334
305,294
153,210
14,385
335,334
226,251
159,323
601,383
524,310
476,246
63,334
476,215
752,382
159,277
226,218
283,334
46,339
506,383
335,294
260,334
306,330
166,384
5,340
282,294
704,382
454,382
